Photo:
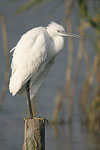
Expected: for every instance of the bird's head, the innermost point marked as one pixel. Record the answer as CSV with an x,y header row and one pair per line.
x,y
55,29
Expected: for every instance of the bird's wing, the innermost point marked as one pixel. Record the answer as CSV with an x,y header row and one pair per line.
x,y
30,54
35,85
12,49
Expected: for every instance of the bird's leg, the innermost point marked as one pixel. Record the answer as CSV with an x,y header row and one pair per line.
x,y
28,97
29,102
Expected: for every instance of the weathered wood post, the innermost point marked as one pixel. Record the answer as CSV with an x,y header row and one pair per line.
x,y
34,134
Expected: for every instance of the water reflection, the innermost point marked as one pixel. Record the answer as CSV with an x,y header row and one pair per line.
x,y
69,137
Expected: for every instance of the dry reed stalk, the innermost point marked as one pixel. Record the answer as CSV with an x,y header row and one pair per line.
x,y
70,46
77,70
62,95
98,71
6,55
59,99
88,81
70,52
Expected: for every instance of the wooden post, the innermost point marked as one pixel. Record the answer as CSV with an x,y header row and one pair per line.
x,y
34,136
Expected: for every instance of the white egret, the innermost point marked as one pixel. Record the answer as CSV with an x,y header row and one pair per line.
x,y
32,58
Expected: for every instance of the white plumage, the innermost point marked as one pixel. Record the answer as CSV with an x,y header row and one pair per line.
x,y
33,56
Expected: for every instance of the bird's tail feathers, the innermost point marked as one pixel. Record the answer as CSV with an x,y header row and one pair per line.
x,y
14,85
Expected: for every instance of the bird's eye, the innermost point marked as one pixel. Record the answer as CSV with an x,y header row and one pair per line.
x,y
58,30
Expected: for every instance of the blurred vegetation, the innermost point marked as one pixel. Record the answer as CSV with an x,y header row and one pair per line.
x,y
89,98
29,4
91,104
6,57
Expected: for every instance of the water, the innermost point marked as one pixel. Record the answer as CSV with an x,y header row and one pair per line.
x,y
14,109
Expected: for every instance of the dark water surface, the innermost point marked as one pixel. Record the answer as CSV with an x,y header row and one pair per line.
x,y
64,137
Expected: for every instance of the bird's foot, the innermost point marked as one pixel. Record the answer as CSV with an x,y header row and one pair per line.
x,y
38,117
31,116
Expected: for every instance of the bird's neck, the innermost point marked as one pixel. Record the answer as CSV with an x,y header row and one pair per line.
x,y
59,43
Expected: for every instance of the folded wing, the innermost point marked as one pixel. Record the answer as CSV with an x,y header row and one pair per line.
x,y
29,56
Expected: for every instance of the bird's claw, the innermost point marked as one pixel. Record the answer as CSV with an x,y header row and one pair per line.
x,y
38,117
47,121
